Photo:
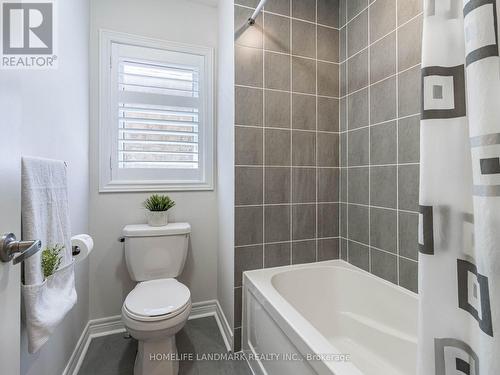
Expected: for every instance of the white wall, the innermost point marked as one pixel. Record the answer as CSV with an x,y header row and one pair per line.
x,y
50,108
181,21
225,165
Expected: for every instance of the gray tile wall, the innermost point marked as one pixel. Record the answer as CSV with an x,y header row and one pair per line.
x,y
287,136
380,45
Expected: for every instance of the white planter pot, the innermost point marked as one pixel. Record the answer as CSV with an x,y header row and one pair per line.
x,y
157,218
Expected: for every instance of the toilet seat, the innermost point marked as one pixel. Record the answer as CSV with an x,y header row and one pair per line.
x,y
156,300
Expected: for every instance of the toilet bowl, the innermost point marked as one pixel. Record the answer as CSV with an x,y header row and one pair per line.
x,y
153,312
159,305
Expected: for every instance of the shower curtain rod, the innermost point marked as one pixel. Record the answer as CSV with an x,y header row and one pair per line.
x,y
251,20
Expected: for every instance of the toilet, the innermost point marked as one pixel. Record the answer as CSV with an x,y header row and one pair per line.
x,y
159,306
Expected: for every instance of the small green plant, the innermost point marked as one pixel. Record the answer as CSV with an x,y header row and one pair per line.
x,y
157,202
51,259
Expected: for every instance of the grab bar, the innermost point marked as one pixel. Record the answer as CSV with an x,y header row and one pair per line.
x,y
9,246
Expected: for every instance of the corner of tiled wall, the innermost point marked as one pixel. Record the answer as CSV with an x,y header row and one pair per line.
x,y
287,136
380,47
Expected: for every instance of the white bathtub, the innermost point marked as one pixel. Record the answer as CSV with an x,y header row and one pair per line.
x,y
327,318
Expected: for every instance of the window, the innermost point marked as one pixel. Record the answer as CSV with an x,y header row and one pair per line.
x,y
156,115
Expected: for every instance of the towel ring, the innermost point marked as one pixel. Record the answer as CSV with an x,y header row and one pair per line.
x,y
10,246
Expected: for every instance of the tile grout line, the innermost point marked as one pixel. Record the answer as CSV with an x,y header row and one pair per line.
x,y
263,140
396,28
316,130
397,145
291,134
369,146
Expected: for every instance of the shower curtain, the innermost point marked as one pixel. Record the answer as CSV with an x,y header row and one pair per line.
x,y
459,220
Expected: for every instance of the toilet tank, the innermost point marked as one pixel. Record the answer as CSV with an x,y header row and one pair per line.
x,y
156,252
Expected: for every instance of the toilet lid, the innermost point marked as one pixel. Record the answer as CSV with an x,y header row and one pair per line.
x,y
157,297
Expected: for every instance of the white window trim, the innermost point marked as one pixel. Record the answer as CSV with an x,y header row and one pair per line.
x,y
106,182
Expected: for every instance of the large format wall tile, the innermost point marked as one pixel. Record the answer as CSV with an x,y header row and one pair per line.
x,y
379,123
287,143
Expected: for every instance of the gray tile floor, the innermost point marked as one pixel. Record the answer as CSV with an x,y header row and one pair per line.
x,y
115,355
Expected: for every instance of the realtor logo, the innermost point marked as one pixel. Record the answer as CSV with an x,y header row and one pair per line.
x,y
28,34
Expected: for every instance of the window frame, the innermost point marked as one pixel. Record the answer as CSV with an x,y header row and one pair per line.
x,y
108,125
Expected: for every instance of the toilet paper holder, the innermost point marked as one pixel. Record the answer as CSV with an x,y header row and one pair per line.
x,y
75,250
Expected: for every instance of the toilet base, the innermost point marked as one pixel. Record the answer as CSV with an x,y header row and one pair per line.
x,y
157,357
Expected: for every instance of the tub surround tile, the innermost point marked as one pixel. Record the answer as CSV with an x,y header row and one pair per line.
x,y
245,259
379,52
277,185
304,9
304,148
248,66
358,220
277,71
303,221
408,187
408,274
277,35
278,6
328,249
408,235
383,229
276,223
277,109
302,34
358,147
237,306
354,7
328,220
277,145
357,109
409,44
359,185
248,185
358,255
383,186
384,265
357,34
407,9
248,106
328,79
304,112
277,254
383,58
357,67
328,12
328,150
328,114
303,75
303,252
328,44
409,139
382,18
287,120
383,144
409,92
304,185
328,184
249,150
248,225
383,101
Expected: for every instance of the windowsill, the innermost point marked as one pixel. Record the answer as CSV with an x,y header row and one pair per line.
x,y
149,187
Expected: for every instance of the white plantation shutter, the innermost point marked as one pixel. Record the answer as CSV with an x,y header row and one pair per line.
x,y
157,135
159,126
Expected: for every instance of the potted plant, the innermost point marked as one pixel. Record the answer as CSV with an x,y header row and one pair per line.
x,y
157,206
51,260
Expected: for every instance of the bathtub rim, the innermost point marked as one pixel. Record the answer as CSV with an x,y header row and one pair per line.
x,y
304,336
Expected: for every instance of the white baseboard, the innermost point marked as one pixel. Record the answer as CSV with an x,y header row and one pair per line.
x,y
113,324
